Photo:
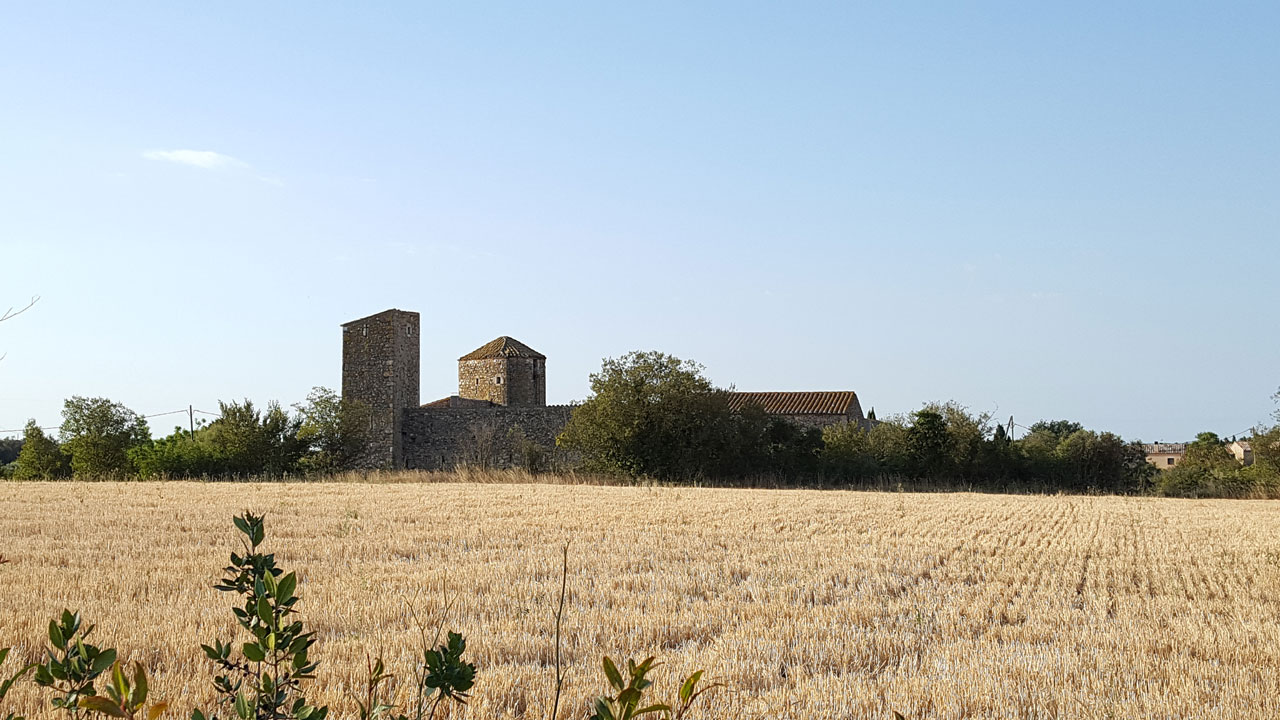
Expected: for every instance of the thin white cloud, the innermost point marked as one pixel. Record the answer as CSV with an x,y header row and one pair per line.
x,y
206,159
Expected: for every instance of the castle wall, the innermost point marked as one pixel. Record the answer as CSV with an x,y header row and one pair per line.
x,y
380,368
442,438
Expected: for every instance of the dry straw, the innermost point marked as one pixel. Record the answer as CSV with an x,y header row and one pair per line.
x,y
805,603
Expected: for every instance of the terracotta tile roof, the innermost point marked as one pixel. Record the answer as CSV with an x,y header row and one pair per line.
x,y
454,401
503,347
842,402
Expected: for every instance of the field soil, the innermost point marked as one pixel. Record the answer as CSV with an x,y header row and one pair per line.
x,y
805,604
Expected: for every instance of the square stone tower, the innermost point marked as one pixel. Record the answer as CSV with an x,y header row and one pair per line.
x,y
505,372
380,367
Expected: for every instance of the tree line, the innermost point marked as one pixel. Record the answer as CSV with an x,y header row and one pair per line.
x,y
101,439
651,414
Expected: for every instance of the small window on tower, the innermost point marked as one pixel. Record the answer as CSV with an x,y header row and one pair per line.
x,y
497,380
364,330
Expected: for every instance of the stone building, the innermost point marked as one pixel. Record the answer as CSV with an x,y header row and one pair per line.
x,y
500,416
806,409
380,366
505,372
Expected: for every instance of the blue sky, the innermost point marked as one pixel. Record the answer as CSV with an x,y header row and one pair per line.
x,y
1043,212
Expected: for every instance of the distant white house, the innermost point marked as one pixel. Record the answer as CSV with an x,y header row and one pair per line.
x,y
1165,455
1242,450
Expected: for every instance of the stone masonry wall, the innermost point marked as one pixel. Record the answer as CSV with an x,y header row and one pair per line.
x,y
442,438
380,367
483,380
526,382
514,382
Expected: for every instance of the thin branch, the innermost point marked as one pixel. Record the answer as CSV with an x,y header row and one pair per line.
x,y
10,314
564,584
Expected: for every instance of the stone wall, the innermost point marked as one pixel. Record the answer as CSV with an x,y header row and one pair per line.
x,y
380,367
443,438
526,382
483,380
513,381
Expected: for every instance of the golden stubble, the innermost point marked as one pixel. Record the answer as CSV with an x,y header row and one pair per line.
x,y
805,604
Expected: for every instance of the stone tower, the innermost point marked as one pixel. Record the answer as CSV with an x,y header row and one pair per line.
x,y
504,372
380,368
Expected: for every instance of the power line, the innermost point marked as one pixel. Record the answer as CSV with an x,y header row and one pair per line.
x,y
184,411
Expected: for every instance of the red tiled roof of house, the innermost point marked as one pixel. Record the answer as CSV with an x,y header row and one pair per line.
x,y
503,347
840,402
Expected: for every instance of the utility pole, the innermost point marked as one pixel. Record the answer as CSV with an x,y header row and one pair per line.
x,y
191,418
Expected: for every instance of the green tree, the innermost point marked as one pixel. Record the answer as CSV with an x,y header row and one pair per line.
x,y
847,452
888,444
929,445
246,441
9,449
1210,452
40,457
1059,429
1207,469
98,434
653,414
334,431
1103,461
178,455
967,438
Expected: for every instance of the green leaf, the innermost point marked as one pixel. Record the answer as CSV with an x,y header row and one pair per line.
x,y
264,611
197,715
603,711
242,707
241,525
102,705
103,661
254,652
55,636
656,708
119,683
629,697
286,586
4,686
139,696
686,690
611,672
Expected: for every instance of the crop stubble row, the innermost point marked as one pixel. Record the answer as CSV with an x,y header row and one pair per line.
x,y
806,603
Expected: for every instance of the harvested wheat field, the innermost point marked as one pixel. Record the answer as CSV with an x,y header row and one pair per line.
x,y
813,604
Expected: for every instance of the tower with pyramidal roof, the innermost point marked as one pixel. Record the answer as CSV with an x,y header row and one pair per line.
x,y
505,372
